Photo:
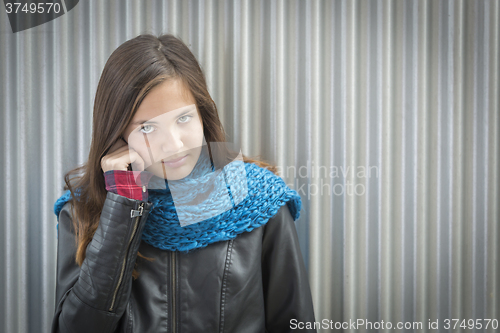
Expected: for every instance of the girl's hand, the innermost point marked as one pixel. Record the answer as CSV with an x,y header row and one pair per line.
x,y
120,156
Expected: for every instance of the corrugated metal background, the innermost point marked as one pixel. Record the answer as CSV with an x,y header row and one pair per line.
x,y
408,88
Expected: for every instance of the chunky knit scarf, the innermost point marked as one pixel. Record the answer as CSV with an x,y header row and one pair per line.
x,y
208,207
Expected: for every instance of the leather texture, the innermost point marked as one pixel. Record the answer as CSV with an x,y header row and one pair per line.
x,y
256,282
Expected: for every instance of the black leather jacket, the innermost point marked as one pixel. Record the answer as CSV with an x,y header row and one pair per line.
x,y
256,282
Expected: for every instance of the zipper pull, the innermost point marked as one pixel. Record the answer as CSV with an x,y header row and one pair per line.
x,y
135,213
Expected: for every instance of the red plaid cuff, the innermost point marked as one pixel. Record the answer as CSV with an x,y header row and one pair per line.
x,y
130,184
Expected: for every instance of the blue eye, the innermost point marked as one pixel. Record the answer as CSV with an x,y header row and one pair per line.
x,y
144,127
184,119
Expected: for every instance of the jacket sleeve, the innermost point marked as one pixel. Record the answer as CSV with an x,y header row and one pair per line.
x,y
93,297
287,294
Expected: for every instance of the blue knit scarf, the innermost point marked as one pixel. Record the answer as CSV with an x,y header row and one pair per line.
x,y
239,198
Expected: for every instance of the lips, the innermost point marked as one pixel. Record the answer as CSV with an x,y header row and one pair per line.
x,y
174,160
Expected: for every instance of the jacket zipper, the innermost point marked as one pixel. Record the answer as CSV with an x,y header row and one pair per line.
x,y
173,291
137,214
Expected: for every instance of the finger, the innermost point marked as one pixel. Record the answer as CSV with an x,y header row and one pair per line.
x,y
137,161
120,163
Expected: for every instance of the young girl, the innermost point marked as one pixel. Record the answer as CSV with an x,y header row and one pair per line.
x,y
134,253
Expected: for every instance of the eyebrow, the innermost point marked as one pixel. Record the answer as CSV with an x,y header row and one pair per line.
x,y
140,122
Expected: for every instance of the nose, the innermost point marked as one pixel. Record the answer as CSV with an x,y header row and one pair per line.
x,y
171,142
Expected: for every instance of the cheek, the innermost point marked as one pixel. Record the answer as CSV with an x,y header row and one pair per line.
x,y
144,153
143,150
195,135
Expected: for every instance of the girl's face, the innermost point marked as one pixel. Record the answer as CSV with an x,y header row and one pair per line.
x,y
167,131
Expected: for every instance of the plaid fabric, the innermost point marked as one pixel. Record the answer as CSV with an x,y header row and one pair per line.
x,y
130,184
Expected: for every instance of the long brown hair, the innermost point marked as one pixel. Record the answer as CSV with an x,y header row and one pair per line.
x,y
132,70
